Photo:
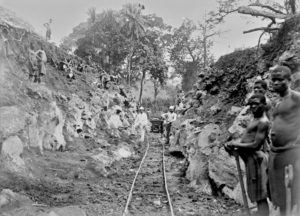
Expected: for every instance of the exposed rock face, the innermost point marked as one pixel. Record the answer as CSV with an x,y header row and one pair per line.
x,y
12,120
10,199
233,76
45,130
11,151
55,115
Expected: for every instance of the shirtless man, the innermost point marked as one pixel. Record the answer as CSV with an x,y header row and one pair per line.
x,y
285,135
250,148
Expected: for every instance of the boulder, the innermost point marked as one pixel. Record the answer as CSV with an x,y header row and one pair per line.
x,y
12,199
222,169
199,153
11,151
123,151
68,211
46,128
12,120
103,158
240,123
234,110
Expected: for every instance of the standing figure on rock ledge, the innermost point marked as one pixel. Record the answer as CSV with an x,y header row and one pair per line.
x,y
32,61
250,148
285,148
141,123
169,118
48,30
41,61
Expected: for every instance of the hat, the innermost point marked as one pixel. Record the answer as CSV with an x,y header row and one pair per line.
x,y
141,108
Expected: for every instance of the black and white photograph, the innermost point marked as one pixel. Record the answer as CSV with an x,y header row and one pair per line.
x,y
149,107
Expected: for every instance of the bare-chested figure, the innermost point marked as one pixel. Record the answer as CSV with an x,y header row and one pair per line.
x,y
285,135
250,148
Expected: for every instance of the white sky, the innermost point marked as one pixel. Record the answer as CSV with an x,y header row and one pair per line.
x,y
66,14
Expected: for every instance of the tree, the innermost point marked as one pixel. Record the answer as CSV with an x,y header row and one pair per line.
x,y
92,15
152,61
134,28
265,9
207,31
105,42
69,42
92,19
153,48
190,51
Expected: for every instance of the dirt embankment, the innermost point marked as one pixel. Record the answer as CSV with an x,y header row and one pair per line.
x,y
202,132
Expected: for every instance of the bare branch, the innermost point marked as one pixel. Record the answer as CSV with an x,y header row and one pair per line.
x,y
212,34
218,18
259,39
190,52
253,12
265,29
267,7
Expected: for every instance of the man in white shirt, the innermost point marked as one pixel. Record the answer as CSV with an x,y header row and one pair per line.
x,y
141,122
114,123
169,118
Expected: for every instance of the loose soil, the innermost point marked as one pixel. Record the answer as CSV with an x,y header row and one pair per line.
x,y
65,179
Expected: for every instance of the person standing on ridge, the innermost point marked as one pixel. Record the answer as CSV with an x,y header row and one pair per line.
x,y
48,30
41,64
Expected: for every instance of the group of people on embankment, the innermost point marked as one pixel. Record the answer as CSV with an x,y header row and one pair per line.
x,y
270,145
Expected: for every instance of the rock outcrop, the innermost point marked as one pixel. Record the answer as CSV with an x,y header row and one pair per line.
x,y
223,112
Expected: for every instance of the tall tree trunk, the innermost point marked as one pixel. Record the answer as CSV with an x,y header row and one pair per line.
x,y
142,87
292,4
155,83
129,69
130,64
204,53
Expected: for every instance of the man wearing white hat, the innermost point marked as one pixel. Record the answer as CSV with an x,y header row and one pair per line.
x,y
141,122
169,118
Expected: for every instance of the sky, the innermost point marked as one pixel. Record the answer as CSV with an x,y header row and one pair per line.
x,y
66,14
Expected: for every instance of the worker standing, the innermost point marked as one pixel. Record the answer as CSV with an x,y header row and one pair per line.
x,y
141,123
169,118
41,64
48,30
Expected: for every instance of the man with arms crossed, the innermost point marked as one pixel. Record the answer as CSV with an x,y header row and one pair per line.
x,y
285,136
250,148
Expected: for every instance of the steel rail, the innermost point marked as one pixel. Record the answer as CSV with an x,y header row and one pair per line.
x,y
125,212
165,181
134,180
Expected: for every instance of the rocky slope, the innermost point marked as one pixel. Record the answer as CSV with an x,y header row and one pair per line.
x,y
202,132
56,137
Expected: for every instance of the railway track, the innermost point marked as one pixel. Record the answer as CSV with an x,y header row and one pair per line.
x,y
149,193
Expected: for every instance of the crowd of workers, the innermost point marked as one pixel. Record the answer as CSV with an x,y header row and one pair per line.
x,y
272,163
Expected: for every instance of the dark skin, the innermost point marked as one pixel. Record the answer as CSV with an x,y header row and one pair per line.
x,y
285,131
287,113
259,89
256,132
253,138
